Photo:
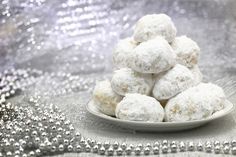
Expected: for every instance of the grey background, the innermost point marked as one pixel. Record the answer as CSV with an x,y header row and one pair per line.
x,y
77,37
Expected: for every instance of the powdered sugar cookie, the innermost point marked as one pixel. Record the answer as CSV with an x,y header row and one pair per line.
x,y
187,51
172,82
104,98
153,56
151,26
195,103
137,107
122,51
126,81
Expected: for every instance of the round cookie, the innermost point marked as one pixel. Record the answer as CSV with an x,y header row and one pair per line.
x,y
137,107
104,98
153,25
122,52
187,51
195,103
153,56
172,82
216,93
126,80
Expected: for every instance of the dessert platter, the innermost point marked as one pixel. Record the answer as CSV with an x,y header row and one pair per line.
x,y
157,84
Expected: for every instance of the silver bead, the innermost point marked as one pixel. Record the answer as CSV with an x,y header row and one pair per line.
x,y
137,151
24,155
173,148
156,144
226,143
140,146
164,149
164,142
95,149
208,148
131,146
67,133
128,150
82,141
182,146
53,149
37,140
78,148
61,148
106,145
155,150
123,146
146,151
42,146
16,145
226,149
21,149
148,145
49,145
233,150
66,142
173,143
70,148
119,151
233,143
199,146
110,151
55,141
87,148
216,143
99,144
31,154
92,143
217,149
102,150
38,152
115,145
34,133
88,140
17,152
9,153
208,142
191,146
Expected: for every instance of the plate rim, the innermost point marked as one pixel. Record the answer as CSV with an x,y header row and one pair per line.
x,y
113,119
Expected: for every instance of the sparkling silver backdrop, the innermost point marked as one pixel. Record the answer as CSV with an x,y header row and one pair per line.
x,y
77,36
72,41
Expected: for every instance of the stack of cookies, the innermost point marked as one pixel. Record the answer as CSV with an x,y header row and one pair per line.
x,y
157,77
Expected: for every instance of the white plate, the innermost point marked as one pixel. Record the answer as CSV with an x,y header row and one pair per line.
x,y
159,126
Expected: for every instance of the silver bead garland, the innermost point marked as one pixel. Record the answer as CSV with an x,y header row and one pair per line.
x,y
42,129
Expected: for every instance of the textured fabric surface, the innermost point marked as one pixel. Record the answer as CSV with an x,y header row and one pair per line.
x,y
77,37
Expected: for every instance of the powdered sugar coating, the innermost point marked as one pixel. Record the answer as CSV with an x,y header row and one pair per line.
x,y
195,103
122,51
126,81
216,93
137,107
153,25
172,82
105,98
187,51
153,56
197,74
